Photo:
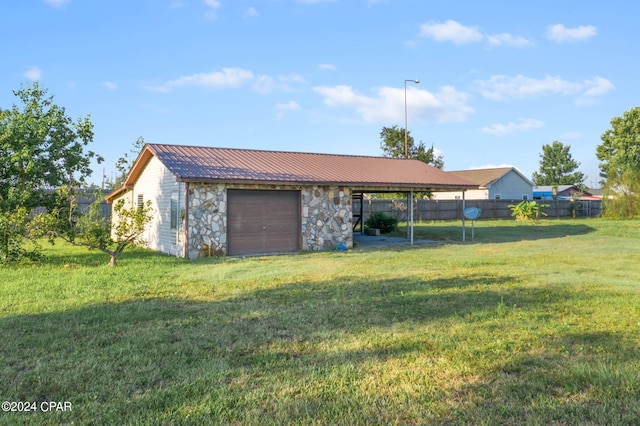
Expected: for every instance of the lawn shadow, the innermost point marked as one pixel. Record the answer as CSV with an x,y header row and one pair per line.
x,y
509,231
149,354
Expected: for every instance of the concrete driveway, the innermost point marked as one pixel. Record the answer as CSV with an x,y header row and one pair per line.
x,y
364,241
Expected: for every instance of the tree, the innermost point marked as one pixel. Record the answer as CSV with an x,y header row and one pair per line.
x,y
125,163
41,148
392,145
620,148
92,229
557,167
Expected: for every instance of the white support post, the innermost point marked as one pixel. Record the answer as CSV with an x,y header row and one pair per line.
x,y
411,214
463,207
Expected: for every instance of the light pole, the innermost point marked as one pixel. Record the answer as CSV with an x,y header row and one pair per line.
x,y
406,146
406,155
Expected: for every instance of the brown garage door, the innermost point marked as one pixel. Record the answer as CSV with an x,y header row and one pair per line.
x,y
263,221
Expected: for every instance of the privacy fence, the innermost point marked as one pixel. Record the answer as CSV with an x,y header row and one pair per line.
x,y
429,210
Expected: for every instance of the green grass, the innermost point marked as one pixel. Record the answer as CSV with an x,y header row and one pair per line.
x,y
528,325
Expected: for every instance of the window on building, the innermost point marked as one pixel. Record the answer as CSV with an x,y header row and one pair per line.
x,y
140,201
525,197
175,208
497,196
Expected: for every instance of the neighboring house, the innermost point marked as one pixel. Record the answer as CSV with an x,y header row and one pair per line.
x,y
562,192
503,183
239,201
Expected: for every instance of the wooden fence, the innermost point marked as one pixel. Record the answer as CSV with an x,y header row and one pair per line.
x,y
429,210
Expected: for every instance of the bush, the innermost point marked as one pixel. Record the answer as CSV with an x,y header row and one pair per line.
x,y
528,210
382,222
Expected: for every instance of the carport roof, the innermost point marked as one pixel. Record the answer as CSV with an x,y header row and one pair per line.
x,y
231,165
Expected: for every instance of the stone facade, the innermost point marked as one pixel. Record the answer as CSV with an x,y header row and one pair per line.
x,y
326,217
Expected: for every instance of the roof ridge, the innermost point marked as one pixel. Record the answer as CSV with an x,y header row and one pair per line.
x,y
278,151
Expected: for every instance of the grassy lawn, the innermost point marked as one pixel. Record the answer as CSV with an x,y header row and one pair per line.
x,y
528,325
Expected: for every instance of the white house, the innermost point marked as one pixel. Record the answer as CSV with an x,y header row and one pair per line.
x,y
503,183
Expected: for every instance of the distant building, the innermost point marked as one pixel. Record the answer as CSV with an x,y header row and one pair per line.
x,y
562,192
503,183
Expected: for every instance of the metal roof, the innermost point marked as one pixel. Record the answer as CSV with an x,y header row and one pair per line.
x,y
486,177
231,165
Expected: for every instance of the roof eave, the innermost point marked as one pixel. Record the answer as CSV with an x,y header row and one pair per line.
x,y
392,186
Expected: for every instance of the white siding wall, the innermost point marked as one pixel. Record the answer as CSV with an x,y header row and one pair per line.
x,y
156,183
511,187
471,194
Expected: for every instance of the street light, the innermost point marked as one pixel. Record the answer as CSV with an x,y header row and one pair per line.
x,y
406,146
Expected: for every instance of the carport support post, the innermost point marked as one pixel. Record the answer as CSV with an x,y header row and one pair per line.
x,y
410,207
463,232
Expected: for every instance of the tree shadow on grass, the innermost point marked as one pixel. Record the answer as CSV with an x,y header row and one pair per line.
x,y
510,231
298,353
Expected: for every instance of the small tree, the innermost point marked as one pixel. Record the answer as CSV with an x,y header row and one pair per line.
x,y
528,211
622,196
92,229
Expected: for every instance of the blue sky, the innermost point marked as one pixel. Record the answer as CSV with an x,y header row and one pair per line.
x,y
498,79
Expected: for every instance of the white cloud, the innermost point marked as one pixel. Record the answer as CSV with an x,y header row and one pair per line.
x,y
450,31
289,106
523,125
110,85
562,34
329,67
251,12
456,33
57,3
284,83
506,39
501,88
33,73
227,78
232,78
448,105
213,6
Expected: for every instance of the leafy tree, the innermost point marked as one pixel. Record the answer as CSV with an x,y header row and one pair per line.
x,y
392,145
622,196
41,148
620,148
125,163
92,229
619,154
557,166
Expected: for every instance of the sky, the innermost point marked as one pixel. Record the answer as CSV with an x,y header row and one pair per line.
x,y
498,79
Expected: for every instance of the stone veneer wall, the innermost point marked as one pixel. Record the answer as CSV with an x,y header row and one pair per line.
x,y
326,217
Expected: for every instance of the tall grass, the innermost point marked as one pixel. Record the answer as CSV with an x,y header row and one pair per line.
x,y
533,325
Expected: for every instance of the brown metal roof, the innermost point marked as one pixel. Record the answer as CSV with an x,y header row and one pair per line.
x,y
482,177
208,164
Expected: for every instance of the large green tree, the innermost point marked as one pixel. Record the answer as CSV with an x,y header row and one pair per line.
x,y
41,149
619,151
392,143
619,154
557,166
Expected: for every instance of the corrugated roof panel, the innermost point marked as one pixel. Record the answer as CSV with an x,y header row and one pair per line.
x,y
193,163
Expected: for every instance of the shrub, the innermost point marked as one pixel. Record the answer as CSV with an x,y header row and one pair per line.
x,y
382,222
528,210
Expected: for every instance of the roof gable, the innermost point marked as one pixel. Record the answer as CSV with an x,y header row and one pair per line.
x,y
487,177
